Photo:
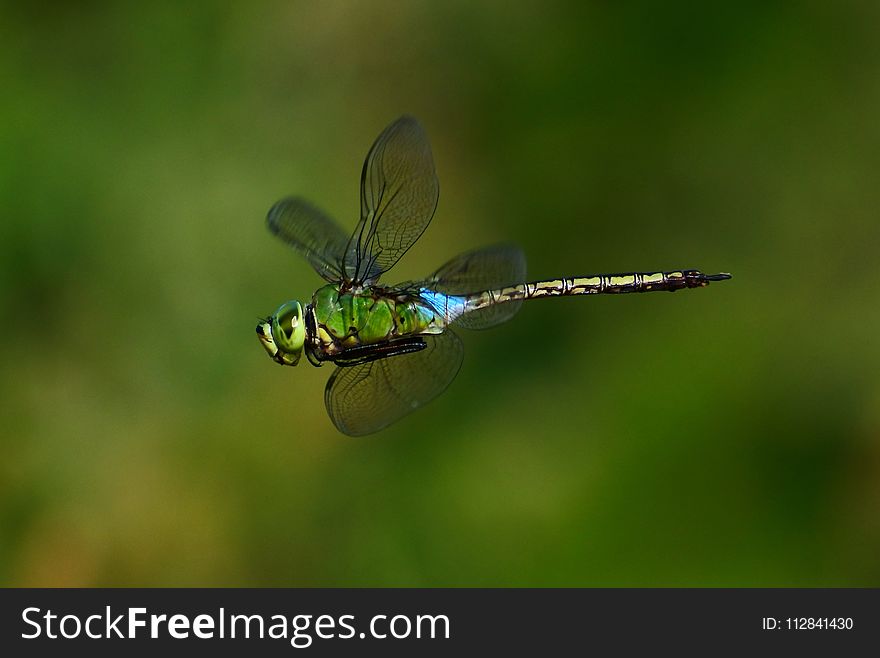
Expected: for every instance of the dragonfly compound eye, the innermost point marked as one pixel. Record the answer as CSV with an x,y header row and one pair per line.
x,y
288,331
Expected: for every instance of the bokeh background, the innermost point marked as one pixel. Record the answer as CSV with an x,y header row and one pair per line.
x,y
727,436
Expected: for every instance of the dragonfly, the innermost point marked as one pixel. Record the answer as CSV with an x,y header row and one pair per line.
x,y
394,346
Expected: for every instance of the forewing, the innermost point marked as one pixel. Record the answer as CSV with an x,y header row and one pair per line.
x,y
311,233
489,268
399,192
365,398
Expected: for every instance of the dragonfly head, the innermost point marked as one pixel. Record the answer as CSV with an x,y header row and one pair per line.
x,y
284,334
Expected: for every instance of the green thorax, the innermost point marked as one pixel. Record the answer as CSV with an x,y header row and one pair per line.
x,y
371,315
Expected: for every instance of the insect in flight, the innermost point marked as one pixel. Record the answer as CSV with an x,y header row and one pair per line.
x,y
393,345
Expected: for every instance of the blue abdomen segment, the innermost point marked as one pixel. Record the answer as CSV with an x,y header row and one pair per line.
x,y
449,307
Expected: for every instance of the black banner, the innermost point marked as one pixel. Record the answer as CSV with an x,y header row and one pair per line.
x,y
436,621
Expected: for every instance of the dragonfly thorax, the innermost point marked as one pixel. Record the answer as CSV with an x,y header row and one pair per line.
x,y
340,319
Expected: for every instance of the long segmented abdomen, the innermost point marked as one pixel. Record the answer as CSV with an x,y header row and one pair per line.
x,y
591,285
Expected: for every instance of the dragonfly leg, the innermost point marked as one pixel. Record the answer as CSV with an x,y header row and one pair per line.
x,y
355,356
314,357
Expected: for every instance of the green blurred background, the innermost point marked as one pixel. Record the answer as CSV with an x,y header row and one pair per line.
x,y
727,436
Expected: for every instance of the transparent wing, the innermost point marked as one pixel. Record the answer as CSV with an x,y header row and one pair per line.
x,y
399,192
311,233
365,398
488,268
